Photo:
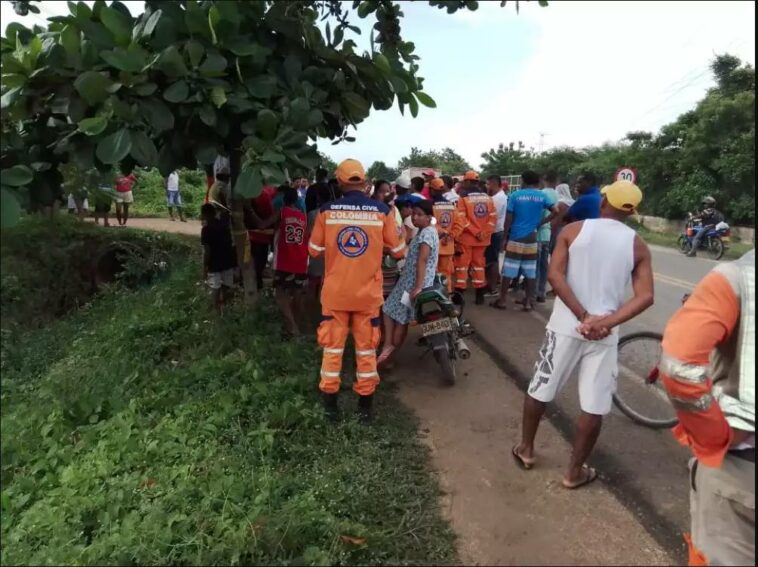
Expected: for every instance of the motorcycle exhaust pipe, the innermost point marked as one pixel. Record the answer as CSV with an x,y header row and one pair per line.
x,y
463,351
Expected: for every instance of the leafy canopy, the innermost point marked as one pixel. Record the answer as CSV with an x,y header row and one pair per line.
x,y
188,79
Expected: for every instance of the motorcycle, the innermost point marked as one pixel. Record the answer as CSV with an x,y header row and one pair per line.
x,y
440,317
715,241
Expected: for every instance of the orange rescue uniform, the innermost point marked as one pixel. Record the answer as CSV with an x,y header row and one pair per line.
x,y
449,224
352,233
478,216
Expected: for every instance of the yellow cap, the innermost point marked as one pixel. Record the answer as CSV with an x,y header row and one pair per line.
x,y
350,173
437,184
471,176
623,195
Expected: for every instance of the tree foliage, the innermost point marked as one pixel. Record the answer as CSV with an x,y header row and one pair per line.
x,y
380,170
446,160
187,79
709,150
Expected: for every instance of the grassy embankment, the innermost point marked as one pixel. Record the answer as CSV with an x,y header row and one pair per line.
x,y
137,428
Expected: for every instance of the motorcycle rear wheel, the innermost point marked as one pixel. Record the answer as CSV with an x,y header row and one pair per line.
x,y
715,248
442,356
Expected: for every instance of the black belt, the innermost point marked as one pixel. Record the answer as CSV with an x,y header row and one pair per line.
x,y
747,454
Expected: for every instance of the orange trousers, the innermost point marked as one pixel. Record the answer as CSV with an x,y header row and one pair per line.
x,y
470,261
446,267
332,334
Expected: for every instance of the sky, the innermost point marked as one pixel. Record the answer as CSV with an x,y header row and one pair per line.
x,y
573,73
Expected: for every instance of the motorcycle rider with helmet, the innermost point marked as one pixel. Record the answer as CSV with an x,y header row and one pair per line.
x,y
709,217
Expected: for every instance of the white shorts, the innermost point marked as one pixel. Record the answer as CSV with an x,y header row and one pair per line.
x,y
125,197
598,371
217,279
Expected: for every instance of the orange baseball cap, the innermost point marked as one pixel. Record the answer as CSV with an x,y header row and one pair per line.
x,y
351,173
471,176
437,184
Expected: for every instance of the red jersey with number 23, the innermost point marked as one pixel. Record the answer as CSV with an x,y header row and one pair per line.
x,y
290,242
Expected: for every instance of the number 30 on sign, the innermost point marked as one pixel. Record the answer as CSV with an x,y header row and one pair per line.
x,y
626,174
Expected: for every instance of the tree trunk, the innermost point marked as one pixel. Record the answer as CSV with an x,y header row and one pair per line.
x,y
239,231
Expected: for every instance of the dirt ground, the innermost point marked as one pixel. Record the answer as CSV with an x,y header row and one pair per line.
x,y
162,224
503,514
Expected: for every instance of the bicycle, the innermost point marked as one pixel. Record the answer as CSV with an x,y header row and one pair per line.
x,y
639,355
639,393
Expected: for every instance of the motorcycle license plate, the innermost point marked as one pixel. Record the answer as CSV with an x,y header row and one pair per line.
x,y
436,327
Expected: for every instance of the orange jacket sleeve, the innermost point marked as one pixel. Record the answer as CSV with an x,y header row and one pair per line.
x,y
462,214
706,320
395,244
316,245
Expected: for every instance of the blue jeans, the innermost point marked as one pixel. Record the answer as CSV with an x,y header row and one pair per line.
x,y
543,258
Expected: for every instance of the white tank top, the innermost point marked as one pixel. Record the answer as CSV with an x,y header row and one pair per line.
x,y
600,265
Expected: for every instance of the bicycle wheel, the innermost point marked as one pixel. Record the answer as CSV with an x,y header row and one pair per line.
x,y
639,393
715,248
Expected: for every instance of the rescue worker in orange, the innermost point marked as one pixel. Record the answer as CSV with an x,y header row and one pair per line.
x,y
479,217
449,226
352,234
708,368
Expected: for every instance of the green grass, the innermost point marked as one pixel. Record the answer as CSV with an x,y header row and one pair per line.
x,y
150,193
141,429
734,250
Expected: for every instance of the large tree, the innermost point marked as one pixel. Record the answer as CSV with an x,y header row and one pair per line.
x,y
188,79
446,160
380,170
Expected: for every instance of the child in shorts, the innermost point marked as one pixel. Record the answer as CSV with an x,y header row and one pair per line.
x,y
218,256
290,256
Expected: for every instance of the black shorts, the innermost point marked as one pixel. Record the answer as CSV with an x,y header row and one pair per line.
x,y
492,253
288,280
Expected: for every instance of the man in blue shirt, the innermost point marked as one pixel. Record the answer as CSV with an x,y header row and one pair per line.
x,y
587,205
523,218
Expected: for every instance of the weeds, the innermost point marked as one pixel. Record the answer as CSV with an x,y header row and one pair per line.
x,y
143,430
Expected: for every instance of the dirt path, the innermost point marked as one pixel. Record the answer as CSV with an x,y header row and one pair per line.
x,y
160,224
502,514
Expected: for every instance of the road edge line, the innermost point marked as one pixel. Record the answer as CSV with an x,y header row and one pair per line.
x,y
665,533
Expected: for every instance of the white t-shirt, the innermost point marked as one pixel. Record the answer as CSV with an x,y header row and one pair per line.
x,y
501,205
220,163
173,181
451,196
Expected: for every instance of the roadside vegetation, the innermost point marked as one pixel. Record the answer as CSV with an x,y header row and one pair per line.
x,y
137,428
150,193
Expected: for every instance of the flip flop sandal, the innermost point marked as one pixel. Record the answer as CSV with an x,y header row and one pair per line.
x,y
496,305
527,308
590,478
525,465
381,359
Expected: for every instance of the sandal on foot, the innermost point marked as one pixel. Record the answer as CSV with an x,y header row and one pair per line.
x,y
591,476
386,353
521,461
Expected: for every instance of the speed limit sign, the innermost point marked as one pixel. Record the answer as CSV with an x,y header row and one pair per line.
x,y
626,174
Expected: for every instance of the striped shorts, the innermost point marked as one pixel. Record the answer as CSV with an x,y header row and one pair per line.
x,y
521,256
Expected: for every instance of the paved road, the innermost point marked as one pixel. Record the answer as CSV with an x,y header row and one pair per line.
x,y
675,275
646,469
